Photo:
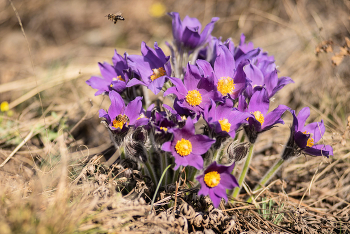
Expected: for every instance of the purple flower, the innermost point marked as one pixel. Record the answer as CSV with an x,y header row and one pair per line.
x,y
187,32
120,116
224,119
260,120
306,137
113,77
215,180
195,92
187,147
153,67
229,79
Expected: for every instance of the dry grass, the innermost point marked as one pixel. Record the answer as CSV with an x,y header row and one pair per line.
x,y
47,141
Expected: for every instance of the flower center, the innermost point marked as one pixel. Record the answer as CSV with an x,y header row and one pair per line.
x,y
212,179
141,116
310,141
183,147
157,72
259,116
120,120
118,78
225,125
194,98
226,85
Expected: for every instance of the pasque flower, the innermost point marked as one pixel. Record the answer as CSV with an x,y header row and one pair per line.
x,y
260,120
153,67
120,116
230,80
113,77
215,180
304,138
186,33
187,147
194,93
224,119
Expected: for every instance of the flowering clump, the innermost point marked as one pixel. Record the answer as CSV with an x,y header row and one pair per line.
x,y
215,89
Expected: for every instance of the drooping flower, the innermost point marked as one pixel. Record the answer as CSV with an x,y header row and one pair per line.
x,y
114,77
224,119
260,120
304,138
187,147
215,180
120,116
153,67
187,34
194,93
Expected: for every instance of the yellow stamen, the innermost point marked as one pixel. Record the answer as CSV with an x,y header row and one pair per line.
x,y
212,179
226,85
259,116
120,120
225,125
194,98
183,147
310,141
164,129
157,72
118,78
142,116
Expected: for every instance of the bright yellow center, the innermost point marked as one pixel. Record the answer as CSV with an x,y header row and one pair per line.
x,y
226,85
164,129
212,179
225,125
183,147
120,120
310,141
194,98
157,72
259,116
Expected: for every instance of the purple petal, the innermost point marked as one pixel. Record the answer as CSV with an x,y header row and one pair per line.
x,y
320,150
207,30
190,38
134,109
200,144
317,129
302,117
156,85
254,74
98,83
134,82
259,102
301,139
167,146
176,25
107,71
274,116
214,198
281,83
220,191
224,64
117,105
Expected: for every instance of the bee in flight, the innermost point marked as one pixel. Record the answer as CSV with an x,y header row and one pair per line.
x,y
115,17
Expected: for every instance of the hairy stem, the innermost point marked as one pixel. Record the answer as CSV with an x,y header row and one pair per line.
x,y
244,171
